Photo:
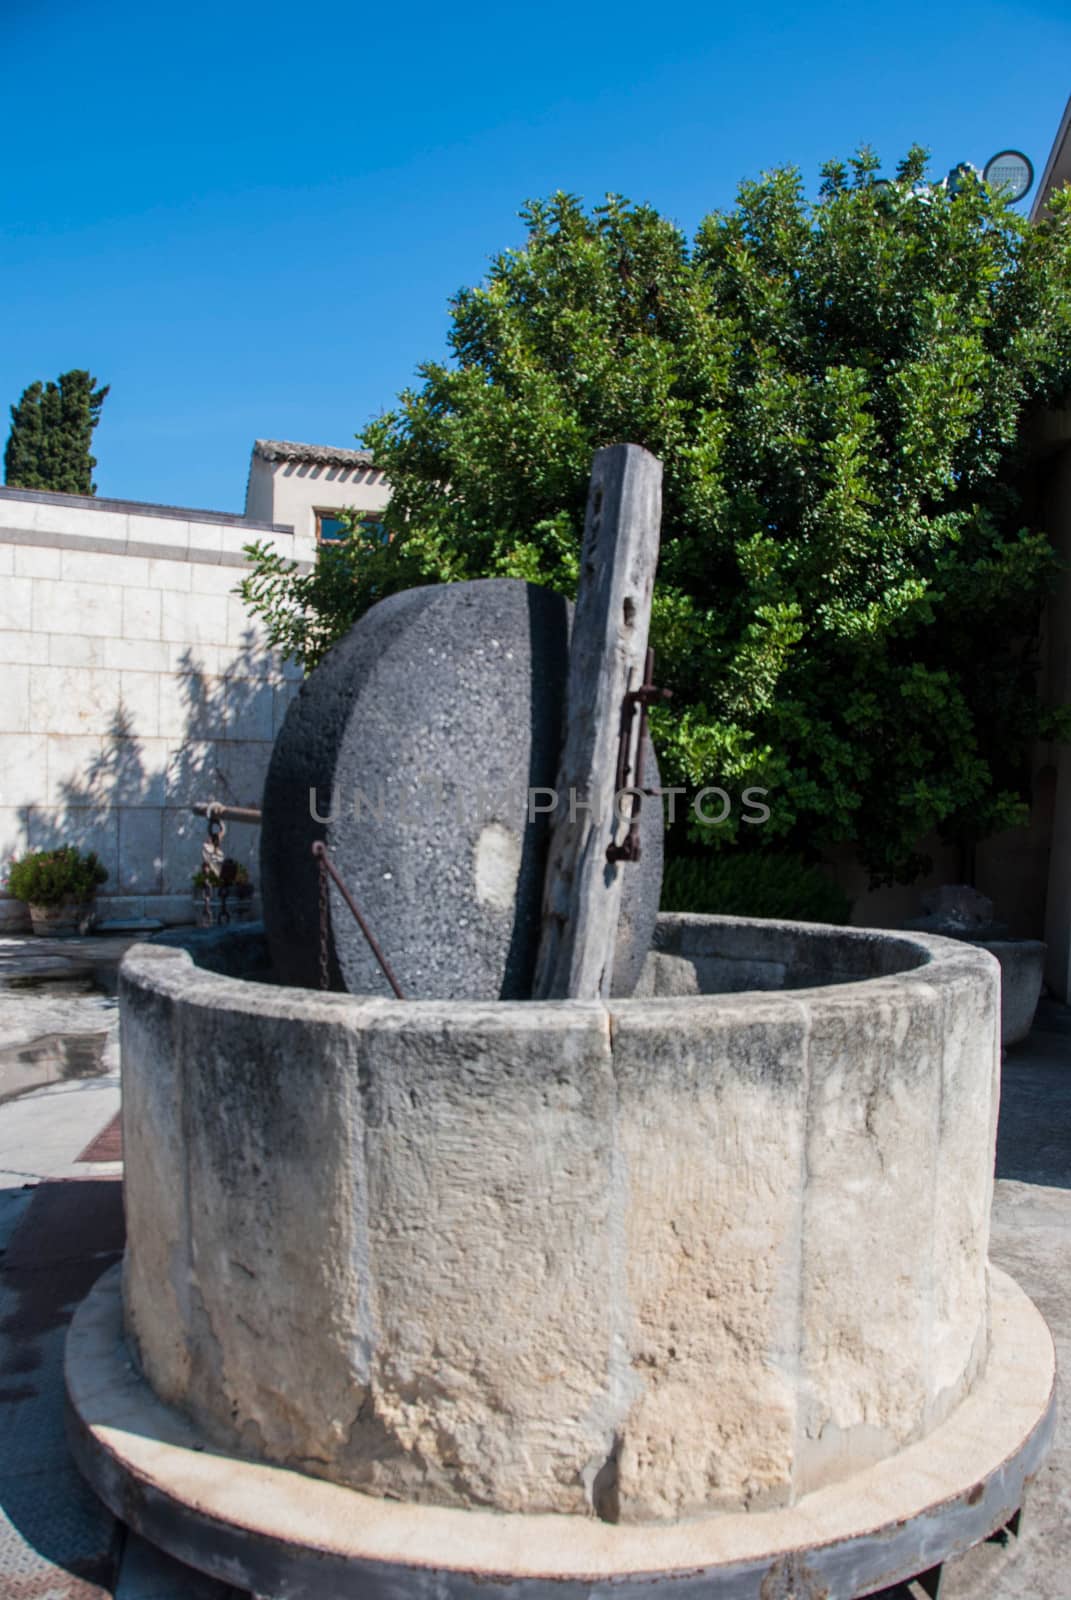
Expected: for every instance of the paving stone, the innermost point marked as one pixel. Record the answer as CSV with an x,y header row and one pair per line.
x,y
57,1541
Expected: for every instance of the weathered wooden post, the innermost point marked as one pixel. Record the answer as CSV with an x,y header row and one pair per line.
x,y
582,888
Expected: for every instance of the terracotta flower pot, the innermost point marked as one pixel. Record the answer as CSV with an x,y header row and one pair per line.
x,y
69,916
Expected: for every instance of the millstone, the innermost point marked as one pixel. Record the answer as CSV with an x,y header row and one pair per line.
x,y
427,734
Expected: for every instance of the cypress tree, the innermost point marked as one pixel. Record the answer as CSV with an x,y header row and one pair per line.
x,y
51,434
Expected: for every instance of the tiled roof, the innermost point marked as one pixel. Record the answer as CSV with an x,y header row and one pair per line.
x,y
321,455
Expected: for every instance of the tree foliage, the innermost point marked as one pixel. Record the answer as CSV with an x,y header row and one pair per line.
x,y
51,435
850,584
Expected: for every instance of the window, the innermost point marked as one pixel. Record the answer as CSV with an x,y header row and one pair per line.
x,y
330,528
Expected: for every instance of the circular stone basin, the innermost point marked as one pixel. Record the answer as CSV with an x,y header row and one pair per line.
x,y
709,1248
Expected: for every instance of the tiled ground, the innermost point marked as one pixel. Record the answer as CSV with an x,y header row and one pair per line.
x,y
61,1225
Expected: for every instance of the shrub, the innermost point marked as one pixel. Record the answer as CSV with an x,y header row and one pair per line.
x,y
851,572
49,877
736,883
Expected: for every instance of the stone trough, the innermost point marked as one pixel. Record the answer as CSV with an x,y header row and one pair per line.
x,y
458,1297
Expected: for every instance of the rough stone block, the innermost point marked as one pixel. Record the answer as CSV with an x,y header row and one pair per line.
x,y
71,700
167,532
234,540
133,770
193,619
25,649
66,522
75,650
36,561
74,765
23,769
202,659
214,580
188,770
16,597
140,693
172,909
176,575
875,1053
94,609
206,542
137,655
140,850
710,1128
966,1141
156,1277
13,831
191,707
249,706
242,631
142,613
528,1200
98,566
15,700
181,839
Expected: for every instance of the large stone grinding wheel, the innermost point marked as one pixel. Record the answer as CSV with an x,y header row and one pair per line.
x,y
423,734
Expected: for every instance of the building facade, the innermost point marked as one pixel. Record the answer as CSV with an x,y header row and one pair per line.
x,y
305,486
134,682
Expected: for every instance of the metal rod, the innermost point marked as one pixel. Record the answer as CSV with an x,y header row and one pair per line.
x,y
645,695
212,808
319,850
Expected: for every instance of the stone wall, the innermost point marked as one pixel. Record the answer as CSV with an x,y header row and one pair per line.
x,y
133,683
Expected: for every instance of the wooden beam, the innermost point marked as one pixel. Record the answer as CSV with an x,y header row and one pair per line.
x,y
582,890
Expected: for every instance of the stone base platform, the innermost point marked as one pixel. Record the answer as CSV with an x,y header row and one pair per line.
x,y
292,1537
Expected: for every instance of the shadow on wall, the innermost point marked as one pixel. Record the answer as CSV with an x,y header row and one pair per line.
x,y
130,800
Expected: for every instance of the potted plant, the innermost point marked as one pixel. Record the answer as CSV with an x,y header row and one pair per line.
x,y
58,886
223,891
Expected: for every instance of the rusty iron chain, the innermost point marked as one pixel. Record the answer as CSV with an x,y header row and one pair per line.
x,y
325,972
211,861
636,700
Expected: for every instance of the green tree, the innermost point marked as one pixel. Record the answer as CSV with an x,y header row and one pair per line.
x,y
51,435
849,590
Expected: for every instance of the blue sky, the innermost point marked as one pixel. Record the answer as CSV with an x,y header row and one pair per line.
x,y
248,219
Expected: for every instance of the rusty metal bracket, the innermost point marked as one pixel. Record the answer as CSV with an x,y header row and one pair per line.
x,y
212,808
327,867
636,699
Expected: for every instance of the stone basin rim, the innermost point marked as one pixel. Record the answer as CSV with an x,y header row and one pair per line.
x,y
171,967
221,1513
526,1209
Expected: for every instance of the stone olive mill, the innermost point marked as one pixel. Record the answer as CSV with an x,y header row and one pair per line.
x,y
490,1234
